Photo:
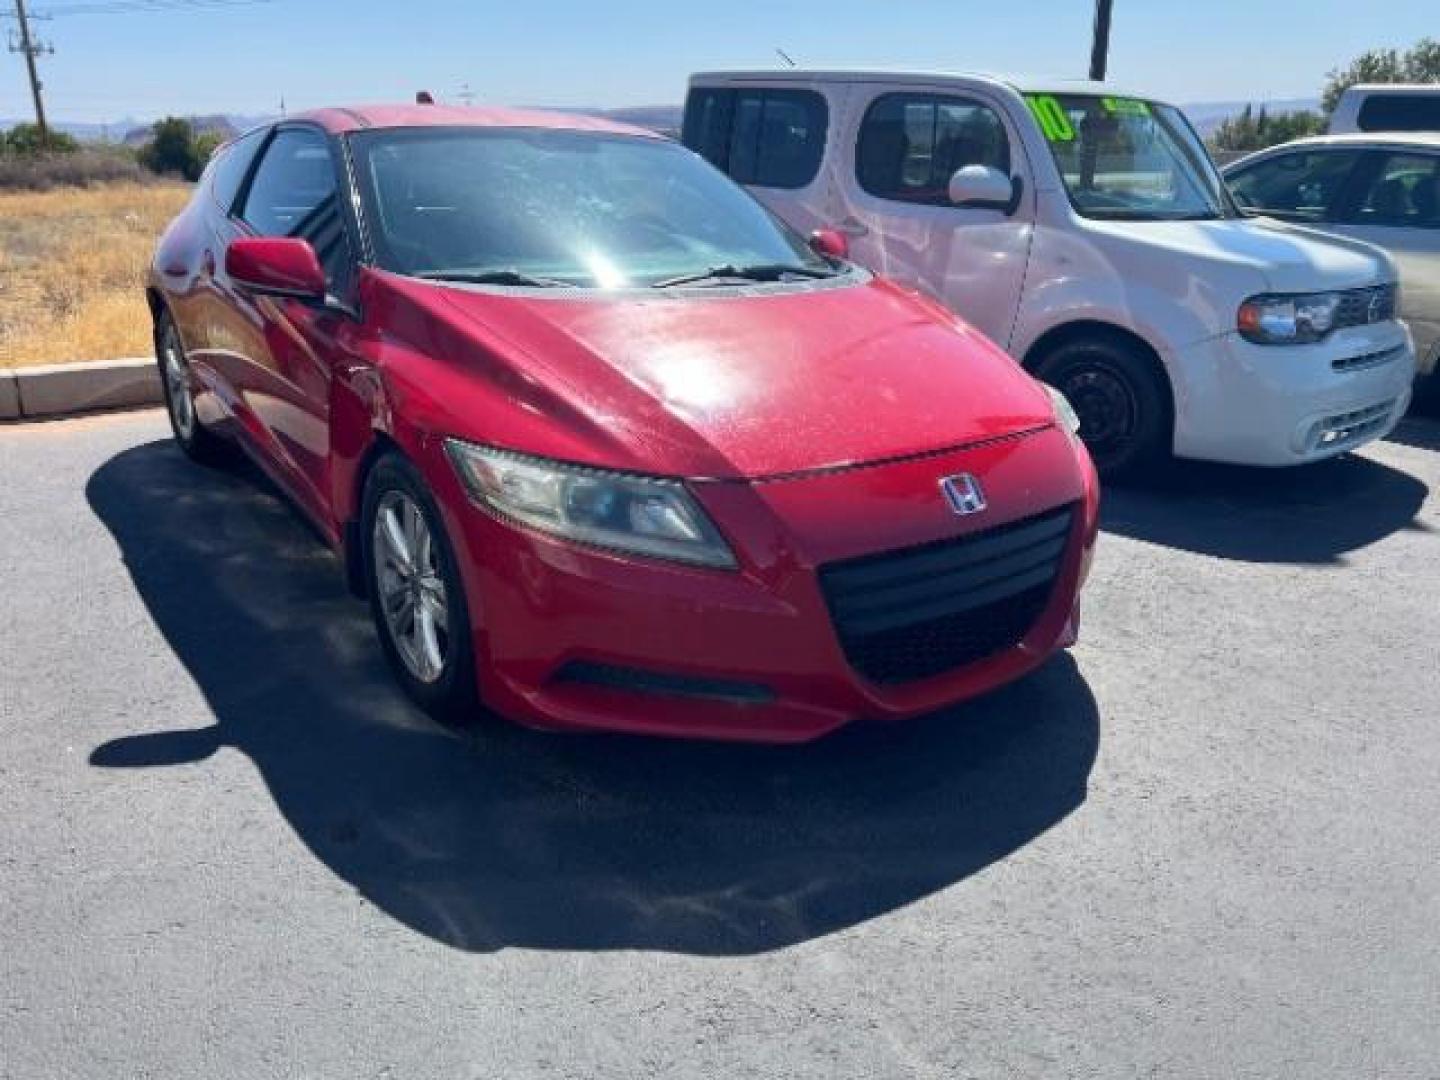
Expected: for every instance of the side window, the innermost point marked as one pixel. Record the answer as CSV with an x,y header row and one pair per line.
x,y
1301,185
227,171
911,144
1405,192
293,193
1400,112
771,138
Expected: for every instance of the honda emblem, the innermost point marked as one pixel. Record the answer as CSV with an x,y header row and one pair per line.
x,y
964,494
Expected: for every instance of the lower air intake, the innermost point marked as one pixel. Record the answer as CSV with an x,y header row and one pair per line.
x,y
920,612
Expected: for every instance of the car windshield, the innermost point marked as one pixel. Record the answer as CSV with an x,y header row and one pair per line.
x,y
1128,159
543,207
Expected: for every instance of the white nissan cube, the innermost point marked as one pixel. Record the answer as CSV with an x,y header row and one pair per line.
x,y
1088,233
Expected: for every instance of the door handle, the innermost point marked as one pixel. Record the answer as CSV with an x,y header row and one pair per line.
x,y
854,227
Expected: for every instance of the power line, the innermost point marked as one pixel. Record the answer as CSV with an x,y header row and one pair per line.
x,y
139,7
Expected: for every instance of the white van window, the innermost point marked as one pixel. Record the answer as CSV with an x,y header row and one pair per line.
x,y
767,137
1303,185
1400,112
1405,192
911,144
1132,160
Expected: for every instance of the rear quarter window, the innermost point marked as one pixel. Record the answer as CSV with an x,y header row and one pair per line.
x,y
766,137
227,171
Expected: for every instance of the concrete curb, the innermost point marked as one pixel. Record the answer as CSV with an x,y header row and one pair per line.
x,y
52,390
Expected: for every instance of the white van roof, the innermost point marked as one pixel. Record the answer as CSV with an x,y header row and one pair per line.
x,y
908,76
1402,89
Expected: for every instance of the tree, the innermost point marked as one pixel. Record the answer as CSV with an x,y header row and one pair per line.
x,y
1255,131
1418,64
171,149
26,139
205,144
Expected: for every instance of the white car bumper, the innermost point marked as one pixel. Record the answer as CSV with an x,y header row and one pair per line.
x,y
1290,404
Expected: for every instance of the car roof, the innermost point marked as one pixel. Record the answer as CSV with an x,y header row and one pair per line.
x,y
1388,140
342,119
1022,83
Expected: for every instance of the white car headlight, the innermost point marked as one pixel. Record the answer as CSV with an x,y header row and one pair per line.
x,y
638,514
1288,320
1065,414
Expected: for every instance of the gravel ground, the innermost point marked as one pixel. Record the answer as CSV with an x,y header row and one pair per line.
x,y
1201,845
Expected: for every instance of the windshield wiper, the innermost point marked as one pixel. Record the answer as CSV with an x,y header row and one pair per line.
x,y
757,272
508,276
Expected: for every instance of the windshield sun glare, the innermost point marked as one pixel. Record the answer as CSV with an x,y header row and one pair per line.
x,y
538,207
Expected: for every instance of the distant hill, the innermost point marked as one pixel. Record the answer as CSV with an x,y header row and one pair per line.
x,y
663,118
1205,115
84,132
221,126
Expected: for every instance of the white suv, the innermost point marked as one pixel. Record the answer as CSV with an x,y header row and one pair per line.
x,y
1088,233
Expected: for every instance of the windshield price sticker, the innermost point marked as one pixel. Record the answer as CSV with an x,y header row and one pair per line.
x,y
1119,106
1051,116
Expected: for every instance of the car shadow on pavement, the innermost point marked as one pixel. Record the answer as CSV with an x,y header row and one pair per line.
x,y
515,838
1310,514
1417,432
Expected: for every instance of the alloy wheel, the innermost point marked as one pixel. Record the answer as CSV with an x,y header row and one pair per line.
x,y
177,383
411,588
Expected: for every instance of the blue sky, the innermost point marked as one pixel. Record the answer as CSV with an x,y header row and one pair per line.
x,y
627,52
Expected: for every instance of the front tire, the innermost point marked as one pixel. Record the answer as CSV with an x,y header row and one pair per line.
x,y
199,442
1122,400
417,598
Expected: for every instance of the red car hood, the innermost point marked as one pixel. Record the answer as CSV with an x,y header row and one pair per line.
x,y
764,384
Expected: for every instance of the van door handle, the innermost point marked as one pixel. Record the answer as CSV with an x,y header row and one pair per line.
x,y
854,227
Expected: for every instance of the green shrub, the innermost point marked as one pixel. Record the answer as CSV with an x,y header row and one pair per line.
x,y
26,139
172,150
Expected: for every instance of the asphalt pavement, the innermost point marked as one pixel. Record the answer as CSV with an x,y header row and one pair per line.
x,y
1202,844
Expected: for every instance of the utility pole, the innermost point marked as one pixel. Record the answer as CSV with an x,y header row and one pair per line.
x,y
1100,49
31,49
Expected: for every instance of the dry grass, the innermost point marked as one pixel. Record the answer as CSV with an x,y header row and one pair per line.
x,y
72,270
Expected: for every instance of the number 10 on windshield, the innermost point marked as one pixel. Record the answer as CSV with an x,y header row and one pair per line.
x,y
1051,117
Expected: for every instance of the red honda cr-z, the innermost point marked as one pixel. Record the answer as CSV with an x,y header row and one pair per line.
x,y
604,443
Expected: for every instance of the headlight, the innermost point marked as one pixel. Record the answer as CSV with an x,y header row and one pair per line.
x,y
1065,414
1288,320
644,515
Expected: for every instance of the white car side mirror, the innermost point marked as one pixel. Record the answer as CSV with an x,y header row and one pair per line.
x,y
982,187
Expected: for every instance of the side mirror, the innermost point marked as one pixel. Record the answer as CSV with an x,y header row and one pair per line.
x,y
276,266
830,243
983,187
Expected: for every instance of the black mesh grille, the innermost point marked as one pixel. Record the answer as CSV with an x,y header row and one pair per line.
x,y
1360,307
912,614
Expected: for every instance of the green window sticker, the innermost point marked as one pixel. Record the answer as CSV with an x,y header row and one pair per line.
x,y
1051,116
1119,106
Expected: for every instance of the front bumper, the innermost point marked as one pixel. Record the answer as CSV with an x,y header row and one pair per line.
x,y
1290,404
573,638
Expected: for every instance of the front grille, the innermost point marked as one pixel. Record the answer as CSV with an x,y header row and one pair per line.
x,y
1368,360
912,614
1360,307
